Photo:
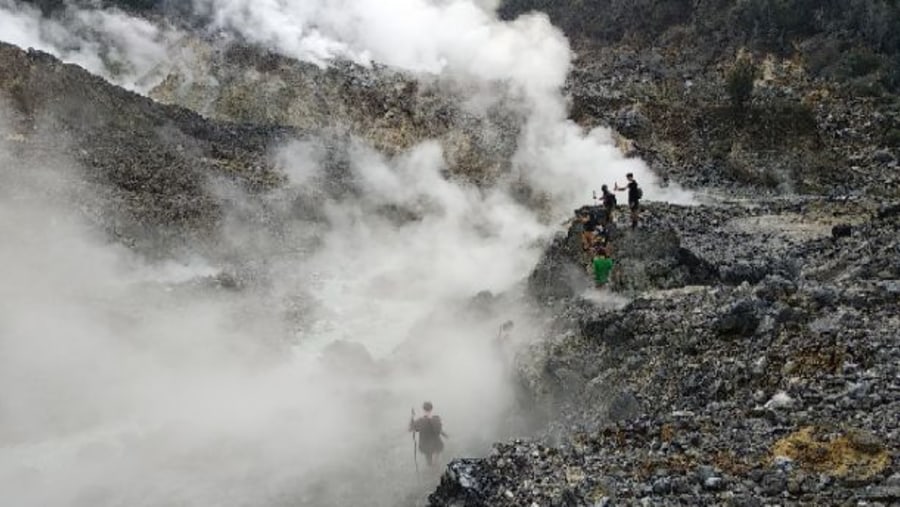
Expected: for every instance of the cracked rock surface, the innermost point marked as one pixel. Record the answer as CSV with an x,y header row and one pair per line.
x,y
774,378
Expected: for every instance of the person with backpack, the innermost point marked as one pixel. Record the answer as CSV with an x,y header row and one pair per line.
x,y
634,197
593,222
430,431
609,203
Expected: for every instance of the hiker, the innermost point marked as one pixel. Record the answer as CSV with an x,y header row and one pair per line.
x,y
596,218
634,197
592,219
602,267
576,230
583,227
430,432
609,202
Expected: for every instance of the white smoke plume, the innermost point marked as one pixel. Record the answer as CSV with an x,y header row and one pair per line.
x,y
461,40
129,51
121,385
125,382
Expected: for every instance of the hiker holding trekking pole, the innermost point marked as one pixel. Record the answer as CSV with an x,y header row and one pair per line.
x,y
430,431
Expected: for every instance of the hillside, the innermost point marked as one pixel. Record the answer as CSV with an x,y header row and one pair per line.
x,y
823,116
757,363
155,164
373,226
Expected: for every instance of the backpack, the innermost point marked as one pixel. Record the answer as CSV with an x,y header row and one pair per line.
x,y
639,193
609,200
432,426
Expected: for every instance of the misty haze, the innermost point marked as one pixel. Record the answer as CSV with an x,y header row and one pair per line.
x,y
247,246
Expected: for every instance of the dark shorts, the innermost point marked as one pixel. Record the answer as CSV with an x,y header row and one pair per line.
x,y
430,445
634,205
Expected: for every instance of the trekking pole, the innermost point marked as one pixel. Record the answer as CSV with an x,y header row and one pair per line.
x,y
412,420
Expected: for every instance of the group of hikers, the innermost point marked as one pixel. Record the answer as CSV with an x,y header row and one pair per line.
x,y
597,225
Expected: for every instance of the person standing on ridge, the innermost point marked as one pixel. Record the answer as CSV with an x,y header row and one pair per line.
x,y
430,431
602,267
634,197
609,203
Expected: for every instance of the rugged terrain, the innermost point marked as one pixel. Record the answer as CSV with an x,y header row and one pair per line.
x,y
756,359
167,171
757,363
748,352
823,111
390,109
155,164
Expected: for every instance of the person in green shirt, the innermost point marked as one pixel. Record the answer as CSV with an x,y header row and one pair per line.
x,y
602,267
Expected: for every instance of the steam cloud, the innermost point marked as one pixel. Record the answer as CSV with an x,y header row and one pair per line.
x,y
124,382
127,382
461,40
129,51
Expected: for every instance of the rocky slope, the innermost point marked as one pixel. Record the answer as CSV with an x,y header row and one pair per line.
x,y
155,165
798,134
772,378
391,110
823,116
750,353
166,171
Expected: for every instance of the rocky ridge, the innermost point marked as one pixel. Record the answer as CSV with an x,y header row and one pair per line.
x,y
774,379
756,360
799,134
390,109
167,172
155,165
823,115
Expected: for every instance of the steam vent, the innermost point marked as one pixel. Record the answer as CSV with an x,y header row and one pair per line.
x,y
454,253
